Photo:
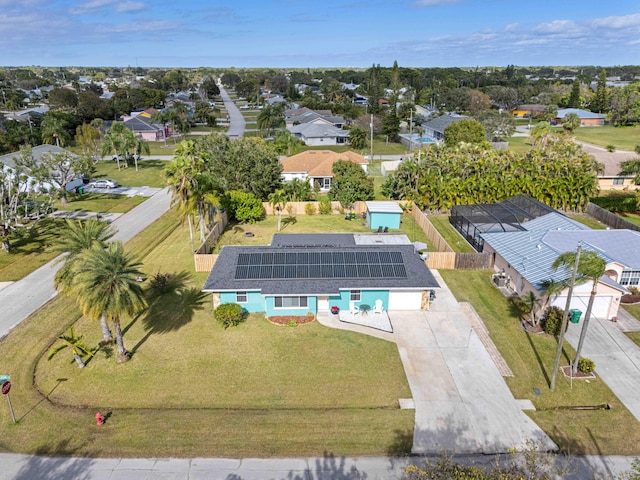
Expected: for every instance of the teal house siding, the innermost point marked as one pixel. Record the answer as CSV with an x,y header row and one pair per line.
x,y
390,220
368,297
271,310
254,303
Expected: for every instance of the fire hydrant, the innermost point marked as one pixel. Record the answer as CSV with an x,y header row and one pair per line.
x,y
99,419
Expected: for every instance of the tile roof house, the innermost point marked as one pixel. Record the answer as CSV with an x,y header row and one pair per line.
x,y
526,258
301,273
587,118
434,128
316,166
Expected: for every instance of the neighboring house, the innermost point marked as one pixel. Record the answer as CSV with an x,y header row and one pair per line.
x,y
527,111
8,161
145,128
300,274
316,166
299,116
587,118
319,132
526,259
434,128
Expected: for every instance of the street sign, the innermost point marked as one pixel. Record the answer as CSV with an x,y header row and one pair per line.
x,y
6,386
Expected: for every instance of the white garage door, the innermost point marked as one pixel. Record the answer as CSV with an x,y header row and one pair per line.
x,y
600,305
405,300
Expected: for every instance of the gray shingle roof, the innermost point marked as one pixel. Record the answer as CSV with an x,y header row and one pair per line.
x,y
438,124
223,274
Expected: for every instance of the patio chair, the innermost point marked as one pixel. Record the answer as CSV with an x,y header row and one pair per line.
x,y
377,307
386,230
353,310
380,229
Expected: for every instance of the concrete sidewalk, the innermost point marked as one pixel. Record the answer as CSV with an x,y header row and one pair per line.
x,y
22,298
24,467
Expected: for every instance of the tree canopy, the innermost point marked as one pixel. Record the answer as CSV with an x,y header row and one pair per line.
x,y
350,184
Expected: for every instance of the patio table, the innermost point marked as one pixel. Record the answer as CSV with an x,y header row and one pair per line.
x,y
364,308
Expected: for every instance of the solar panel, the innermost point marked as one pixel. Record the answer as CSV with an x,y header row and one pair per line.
x,y
329,264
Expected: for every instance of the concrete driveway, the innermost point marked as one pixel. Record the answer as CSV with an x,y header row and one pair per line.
x,y
462,403
128,191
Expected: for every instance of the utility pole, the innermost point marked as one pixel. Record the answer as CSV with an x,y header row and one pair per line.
x,y
565,316
371,127
411,131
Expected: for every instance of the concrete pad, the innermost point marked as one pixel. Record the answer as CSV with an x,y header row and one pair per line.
x,y
407,404
525,404
4,284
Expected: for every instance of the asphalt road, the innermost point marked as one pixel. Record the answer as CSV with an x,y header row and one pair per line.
x,y
237,123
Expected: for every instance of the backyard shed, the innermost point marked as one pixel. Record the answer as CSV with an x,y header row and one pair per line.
x,y
383,214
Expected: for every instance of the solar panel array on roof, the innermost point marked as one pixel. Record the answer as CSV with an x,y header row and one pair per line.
x,y
292,265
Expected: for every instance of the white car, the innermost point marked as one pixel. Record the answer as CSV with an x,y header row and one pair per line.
x,y
104,183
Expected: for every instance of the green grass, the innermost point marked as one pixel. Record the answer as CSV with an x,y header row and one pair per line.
x,y
193,389
380,147
101,203
588,221
531,358
630,217
450,235
149,173
30,250
624,138
520,144
635,336
162,148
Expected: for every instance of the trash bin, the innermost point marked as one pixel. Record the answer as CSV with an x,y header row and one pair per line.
x,y
574,315
80,190
335,310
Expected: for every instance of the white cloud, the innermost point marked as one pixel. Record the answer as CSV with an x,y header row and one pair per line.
x,y
557,26
90,6
436,3
126,7
617,22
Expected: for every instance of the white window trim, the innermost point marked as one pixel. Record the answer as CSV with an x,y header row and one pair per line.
x,y
299,297
242,293
355,293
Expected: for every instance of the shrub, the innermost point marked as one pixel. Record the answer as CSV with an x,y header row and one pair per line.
x,y
611,147
229,314
586,365
552,320
325,206
310,209
292,323
617,203
244,207
634,290
160,282
289,209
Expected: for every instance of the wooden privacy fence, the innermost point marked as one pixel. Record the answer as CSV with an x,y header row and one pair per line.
x,y
202,257
430,231
610,219
300,208
204,262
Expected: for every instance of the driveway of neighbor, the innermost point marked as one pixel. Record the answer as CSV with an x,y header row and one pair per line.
x,y
22,298
237,123
616,357
463,404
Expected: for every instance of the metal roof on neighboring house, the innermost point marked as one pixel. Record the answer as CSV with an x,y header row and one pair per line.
x,y
563,112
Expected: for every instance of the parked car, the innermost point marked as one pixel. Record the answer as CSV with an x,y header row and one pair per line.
x,y
104,183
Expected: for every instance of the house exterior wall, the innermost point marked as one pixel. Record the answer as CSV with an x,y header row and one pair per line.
x,y
289,176
383,219
367,297
320,141
617,183
254,303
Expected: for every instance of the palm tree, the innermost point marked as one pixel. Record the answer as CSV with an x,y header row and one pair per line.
x,y
531,303
358,138
78,349
631,167
75,239
278,201
119,140
53,131
108,283
271,116
570,122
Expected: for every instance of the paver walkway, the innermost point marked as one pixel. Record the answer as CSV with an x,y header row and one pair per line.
x,y
22,298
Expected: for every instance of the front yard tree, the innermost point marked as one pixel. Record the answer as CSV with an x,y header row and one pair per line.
x,y
278,201
570,122
119,141
270,117
78,349
499,126
75,239
350,184
107,283
358,138
391,124
59,169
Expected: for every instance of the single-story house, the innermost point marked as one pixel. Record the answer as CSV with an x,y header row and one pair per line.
x,y
319,132
434,128
587,118
297,116
145,128
316,166
525,260
300,274
527,111
383,215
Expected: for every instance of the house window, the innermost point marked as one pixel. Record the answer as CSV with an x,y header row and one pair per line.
x,y
618,181
355,296
630,278
290,302
241,297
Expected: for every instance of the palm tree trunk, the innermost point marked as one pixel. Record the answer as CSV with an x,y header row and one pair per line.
x,y
585,327
78,360
106,333
193,248
122,353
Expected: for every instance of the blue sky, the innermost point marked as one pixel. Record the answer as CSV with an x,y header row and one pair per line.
x,y
319,33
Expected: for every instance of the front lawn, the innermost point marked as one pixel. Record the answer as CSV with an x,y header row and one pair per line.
x,y
149,173
193,389
624,138
531,358
100,202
